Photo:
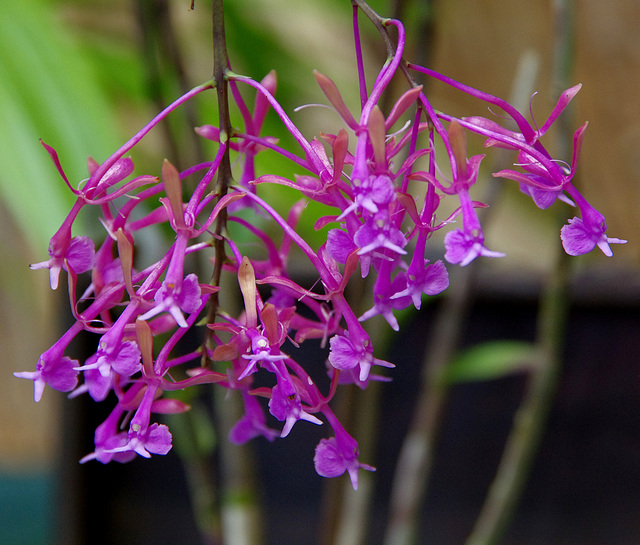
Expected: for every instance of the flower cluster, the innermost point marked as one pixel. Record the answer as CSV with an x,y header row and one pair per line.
x,y
365,176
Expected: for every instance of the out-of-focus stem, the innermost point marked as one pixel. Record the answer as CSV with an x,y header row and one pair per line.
x,y
201,482
530,419
165,75
417,453
526,434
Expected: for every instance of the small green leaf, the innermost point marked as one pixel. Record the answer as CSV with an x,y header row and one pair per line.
x,y
489,361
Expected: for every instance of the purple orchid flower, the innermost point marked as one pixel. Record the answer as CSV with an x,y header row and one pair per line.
x,y
123,359
252,424
344,354
285,405
339,454
582,235
176,299
77,257
55,370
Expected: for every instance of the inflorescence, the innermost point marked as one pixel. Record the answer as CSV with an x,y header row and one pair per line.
x,y
379,227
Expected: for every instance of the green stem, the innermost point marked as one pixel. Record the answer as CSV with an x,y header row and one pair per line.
x,y
199,472
417,454
530,419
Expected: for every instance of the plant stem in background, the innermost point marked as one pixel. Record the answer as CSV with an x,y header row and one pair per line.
x,y
417,454
166,77
530,419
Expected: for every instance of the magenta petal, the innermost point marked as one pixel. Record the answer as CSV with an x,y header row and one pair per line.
x,y
328,459
252,424
342,354
113,442
126,361
56,161
578,137
457,246
577,239
80,254
436,279
279,404
189,297
463,248
60,374
382,190
158,439
98,385
339,245
246,429
542,198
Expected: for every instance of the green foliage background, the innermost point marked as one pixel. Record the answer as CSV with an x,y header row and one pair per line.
x,y
73,74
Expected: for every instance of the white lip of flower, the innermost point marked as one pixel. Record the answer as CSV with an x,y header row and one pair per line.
x,y
260,348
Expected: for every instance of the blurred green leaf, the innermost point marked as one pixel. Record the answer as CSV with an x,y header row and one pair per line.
x,y
49,89
489,361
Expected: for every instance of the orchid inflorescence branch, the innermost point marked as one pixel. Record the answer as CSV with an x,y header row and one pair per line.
x,y
379,227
